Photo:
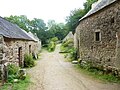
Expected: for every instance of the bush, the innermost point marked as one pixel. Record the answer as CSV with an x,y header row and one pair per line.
x,y
12,69
68,47
73,53
12,72
51,46
55,39
68,43
21,85
28,61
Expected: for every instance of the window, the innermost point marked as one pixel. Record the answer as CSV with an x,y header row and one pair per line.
x,y
112,20
97,36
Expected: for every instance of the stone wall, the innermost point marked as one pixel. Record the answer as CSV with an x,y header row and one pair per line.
x,y
3,62
107,23
16,47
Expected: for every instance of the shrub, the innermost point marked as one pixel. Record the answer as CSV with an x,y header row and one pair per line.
x,y
51,46
12,69
73,53
28,61
55,39
67,43
12,72
68,47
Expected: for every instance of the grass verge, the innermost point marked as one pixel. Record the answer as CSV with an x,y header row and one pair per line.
x,y
21,85
98,75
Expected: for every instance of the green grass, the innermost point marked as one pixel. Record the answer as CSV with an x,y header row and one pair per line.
x,y
21,85
98,75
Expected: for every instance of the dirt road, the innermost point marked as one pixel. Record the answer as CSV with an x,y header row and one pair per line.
x,y
52,73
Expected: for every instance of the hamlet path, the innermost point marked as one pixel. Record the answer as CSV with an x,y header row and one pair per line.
x,y
53,73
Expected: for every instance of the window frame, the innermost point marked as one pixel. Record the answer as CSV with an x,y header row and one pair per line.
x,y
99,35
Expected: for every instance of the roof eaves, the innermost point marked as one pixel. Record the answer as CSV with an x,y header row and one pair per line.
x,y
92,11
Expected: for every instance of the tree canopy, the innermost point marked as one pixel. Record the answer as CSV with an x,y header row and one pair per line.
x,y
39,27
73,19
52,29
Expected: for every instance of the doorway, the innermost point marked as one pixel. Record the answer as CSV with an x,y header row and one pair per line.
x,y
20,56
117,61
30,49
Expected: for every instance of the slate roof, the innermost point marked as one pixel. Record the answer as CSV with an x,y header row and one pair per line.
x,y
10,30
99,5
33,36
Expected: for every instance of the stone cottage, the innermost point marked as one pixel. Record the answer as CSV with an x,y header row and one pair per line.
x,y
14,44
69,36
34,36
98,35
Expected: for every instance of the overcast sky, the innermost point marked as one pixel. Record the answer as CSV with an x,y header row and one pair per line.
x,y
45,9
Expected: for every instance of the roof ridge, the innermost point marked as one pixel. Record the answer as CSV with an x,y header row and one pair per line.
x,y
11,30
100,5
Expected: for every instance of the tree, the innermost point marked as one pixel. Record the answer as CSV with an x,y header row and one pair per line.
x,y
21,21
56,29
73,19
88,4
75,15
36,26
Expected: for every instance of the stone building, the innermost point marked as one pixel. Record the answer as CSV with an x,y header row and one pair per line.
x,y
98,35
14,44
34,36
69,36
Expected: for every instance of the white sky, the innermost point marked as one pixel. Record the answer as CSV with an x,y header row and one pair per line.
x,y
44,9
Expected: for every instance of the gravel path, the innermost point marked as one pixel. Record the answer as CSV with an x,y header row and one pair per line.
x,y
52,73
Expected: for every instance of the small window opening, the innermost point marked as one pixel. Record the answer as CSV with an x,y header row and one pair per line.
x,y
112,20
97,36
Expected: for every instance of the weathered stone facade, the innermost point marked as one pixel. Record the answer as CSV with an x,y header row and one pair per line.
x,y
98,37
14,44
16,49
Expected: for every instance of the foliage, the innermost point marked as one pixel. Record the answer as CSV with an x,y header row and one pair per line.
x,y
51,46
67,47
21,85
21,21
12,69
51,29
57,29
12,72
98,74
73,19
38,27
73,53
28,61
68,43
54,39
88,4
